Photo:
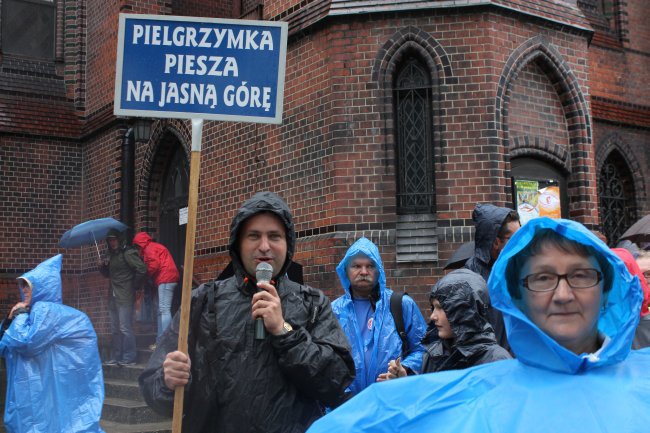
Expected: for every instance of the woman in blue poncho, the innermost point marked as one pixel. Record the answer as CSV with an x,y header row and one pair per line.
x,y
54,374
570,309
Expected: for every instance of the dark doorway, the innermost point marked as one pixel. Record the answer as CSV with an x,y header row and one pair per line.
x,y
173,203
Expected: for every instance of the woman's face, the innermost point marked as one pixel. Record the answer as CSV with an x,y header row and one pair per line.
x,y
439,318
568,315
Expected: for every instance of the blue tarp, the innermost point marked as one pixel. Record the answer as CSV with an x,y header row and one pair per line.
x,y
54,373
547,389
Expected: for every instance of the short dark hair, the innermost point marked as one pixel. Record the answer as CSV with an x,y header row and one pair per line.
x,y
513,215
550,237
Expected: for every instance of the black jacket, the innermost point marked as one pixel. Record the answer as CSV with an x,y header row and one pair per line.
x,y
240,384
488,220
461,296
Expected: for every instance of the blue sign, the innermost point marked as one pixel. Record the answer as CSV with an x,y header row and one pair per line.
x,y
200,68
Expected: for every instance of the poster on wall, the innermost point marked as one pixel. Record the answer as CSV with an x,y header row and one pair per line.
x,y
536,198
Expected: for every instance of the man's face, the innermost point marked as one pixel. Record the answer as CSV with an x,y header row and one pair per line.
x,y
501,241
113,242
262,238
363,274
26,290
644,265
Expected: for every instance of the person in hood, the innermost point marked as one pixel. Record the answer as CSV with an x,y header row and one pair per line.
x,y
365,316
162,270
494,226
235,382
459,335
570,308
54,373
642,334
126,272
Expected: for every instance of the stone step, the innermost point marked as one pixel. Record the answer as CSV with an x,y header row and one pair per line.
x,y
129,412
150,427
122,388
125,372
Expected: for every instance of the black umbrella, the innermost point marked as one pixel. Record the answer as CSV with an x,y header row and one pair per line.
x,y
640,231
460,256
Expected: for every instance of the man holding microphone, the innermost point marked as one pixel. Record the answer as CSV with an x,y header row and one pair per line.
x,y
238,379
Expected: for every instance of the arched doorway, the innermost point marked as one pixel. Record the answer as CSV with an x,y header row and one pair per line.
x,y
173,208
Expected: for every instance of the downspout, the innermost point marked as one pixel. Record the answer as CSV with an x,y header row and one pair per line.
x,y
127,189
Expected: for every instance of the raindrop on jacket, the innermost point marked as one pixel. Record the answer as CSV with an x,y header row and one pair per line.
x,y
546,388
54,374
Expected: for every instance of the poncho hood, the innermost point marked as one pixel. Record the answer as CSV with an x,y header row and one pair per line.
x,y
45,280
617,320
366,247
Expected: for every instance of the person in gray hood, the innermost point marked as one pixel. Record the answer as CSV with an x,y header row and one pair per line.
x,y
459,335
494,228
235,382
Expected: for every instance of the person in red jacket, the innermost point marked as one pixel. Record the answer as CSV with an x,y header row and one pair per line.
x,y
162,269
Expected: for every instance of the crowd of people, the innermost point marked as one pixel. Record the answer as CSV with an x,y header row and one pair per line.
x,y
535,333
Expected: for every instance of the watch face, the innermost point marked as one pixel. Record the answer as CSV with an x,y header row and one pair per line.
x,y
287,327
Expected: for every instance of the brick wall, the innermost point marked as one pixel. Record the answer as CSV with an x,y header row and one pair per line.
x,y
333,157
37,212
535,108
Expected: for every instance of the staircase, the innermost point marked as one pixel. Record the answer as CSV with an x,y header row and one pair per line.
x,y
124,408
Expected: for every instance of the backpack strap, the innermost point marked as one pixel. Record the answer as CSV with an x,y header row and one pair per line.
x,y
398,318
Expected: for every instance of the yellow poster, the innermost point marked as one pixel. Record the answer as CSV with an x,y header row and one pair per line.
x,y
537,198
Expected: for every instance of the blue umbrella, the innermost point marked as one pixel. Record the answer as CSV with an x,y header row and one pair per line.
x,y
89,232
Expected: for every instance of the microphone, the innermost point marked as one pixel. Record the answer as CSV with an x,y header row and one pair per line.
x,y
263,273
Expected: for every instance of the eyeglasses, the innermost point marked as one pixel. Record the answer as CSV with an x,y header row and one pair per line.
x,y
576,279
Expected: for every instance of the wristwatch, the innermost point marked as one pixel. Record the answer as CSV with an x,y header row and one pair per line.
x,y
286,328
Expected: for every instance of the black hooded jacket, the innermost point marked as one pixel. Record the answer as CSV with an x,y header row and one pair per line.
x,y
461,294
240,384
488,220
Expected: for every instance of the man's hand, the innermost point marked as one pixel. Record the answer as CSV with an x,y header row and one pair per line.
x,y
176,369
395,370
266,304
19,305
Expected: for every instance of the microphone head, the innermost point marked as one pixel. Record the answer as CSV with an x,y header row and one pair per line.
x,y
263,272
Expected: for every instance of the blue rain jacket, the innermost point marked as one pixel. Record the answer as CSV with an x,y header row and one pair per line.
x,y
546,389
387,344
54,373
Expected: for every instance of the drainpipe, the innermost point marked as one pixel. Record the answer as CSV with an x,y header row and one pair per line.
x,y
128,176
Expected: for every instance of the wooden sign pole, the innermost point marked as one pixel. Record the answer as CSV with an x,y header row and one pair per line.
x,y
195,169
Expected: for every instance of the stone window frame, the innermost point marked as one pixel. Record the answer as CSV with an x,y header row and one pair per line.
x,y
615,144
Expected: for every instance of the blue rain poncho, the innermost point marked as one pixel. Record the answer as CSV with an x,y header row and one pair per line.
x,y
546,389
54,373
386,342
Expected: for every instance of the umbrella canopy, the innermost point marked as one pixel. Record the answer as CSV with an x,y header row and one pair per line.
x,y
89,232
460,256
639,231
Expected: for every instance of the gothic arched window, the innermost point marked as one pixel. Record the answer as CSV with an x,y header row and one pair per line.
x,y
616,193
415,177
